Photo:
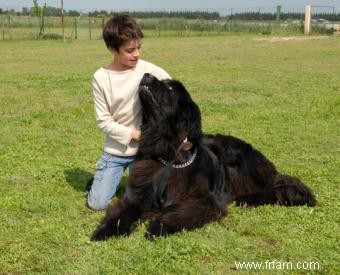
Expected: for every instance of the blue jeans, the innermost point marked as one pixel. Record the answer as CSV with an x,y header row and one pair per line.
x,y
109,172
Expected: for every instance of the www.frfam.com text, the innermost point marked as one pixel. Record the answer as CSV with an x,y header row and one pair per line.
x,y
277,265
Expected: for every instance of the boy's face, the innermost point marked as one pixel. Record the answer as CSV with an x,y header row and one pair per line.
x,y
128,54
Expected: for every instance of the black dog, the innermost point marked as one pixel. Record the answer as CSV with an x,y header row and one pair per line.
x,y
183,179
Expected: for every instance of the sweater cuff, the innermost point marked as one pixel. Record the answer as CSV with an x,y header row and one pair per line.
x,y
132,134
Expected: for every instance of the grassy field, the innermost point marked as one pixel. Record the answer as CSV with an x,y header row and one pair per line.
x,y
281,96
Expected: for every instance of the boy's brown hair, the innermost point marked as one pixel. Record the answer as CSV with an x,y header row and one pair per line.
x,y
119,29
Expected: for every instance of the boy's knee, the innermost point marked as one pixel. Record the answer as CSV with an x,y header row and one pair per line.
x,y
97,203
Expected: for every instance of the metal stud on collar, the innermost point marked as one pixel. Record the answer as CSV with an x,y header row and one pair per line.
x,y
182,165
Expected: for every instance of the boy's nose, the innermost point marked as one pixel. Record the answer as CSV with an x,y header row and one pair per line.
x,y
136,53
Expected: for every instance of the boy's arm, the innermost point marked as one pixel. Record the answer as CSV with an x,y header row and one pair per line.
x,y
106,123
160,73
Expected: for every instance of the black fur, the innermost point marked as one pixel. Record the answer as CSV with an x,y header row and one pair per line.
x,y
225,169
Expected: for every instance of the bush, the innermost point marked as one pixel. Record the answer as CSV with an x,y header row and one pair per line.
x,y
52,36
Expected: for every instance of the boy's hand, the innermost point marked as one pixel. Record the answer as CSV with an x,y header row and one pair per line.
x,y
136,135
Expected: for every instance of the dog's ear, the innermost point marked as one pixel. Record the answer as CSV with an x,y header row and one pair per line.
x,y
188,115
194,127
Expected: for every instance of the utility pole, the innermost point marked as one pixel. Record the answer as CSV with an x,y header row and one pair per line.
x,y
308,15
62,20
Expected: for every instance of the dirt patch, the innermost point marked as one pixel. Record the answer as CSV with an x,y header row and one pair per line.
x,y
291,38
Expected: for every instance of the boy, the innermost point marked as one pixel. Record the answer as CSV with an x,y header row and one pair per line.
x,y
117,106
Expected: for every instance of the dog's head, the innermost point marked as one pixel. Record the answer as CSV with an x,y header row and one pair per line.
x,y
168,107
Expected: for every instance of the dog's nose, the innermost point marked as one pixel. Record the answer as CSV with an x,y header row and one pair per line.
x,y
147,79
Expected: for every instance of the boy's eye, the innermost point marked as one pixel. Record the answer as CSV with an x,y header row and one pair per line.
x,y
132,49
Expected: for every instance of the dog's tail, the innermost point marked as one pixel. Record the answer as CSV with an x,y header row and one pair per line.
x,y
290,191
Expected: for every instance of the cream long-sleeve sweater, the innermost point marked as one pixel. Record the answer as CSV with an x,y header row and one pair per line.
x,y
117,106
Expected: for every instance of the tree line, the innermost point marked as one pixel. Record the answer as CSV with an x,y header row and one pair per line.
x,y
53,11
49,11
162,14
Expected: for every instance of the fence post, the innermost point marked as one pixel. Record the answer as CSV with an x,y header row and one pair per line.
x,y
3,28
278,13
9,27
308,15
62,20
75,29
90,28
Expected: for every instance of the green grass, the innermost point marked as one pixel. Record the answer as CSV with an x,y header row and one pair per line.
x,y
283,97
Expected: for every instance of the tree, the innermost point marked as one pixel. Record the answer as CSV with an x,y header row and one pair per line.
x,y
53,11
40,12
73,13
25,11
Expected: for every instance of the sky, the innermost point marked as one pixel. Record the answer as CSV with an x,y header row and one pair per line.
x,y
222,6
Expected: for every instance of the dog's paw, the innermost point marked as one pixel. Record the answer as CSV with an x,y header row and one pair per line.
x,y
103,232
242,204
250,201
115,227
157,229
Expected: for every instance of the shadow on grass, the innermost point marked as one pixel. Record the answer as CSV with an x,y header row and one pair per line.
x,y
81,180
78,178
